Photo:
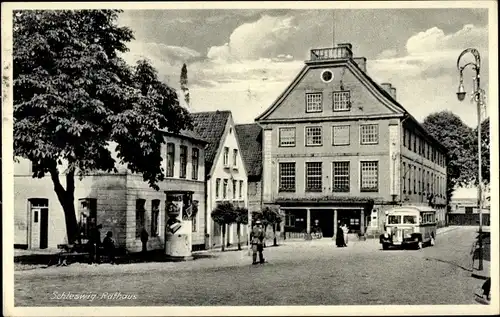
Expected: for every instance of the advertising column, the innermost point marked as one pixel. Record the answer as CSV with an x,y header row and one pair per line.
x,y
178,229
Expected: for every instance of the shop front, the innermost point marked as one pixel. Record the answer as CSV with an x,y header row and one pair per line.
x,y
301,219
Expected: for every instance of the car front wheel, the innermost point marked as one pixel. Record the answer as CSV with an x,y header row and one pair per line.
x,y
385,246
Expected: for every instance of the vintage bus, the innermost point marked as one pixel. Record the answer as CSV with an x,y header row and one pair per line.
x,y
409,226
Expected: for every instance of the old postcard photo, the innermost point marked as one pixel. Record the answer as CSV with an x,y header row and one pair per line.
x,y
250,158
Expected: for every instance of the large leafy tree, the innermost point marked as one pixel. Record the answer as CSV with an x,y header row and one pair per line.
x,y
75,99
457,137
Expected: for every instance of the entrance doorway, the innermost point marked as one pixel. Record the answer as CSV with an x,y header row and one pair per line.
x,y
39,223
325,221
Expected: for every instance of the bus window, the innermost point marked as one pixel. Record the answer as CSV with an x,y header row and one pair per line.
x,y
394,220
409,219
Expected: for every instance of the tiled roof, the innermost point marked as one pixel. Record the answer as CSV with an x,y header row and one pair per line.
x,y
210,126
249,139
188,134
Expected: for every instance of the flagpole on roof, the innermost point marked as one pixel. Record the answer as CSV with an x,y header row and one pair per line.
x,y
333,27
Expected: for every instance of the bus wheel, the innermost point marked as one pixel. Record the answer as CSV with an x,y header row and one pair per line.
x,y
433,241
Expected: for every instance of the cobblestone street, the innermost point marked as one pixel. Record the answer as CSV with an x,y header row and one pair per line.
x,y
298,273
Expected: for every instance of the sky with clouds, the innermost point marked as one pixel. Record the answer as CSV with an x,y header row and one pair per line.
x,y
241,60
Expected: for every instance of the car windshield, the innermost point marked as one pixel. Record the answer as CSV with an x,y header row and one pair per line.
x,y
410,219
393,220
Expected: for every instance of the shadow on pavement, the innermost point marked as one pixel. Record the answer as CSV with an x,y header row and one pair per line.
x,y
451,263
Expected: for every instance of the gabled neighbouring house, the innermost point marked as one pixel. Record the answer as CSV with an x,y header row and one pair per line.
x,y
226,175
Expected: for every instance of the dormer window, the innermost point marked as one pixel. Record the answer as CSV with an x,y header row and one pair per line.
x,y
341,101
314,102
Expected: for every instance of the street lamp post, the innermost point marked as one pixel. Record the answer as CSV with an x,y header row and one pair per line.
x,y
477,95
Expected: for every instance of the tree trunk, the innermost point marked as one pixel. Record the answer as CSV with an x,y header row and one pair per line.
x,y
223,238
67,200
238,232
275,242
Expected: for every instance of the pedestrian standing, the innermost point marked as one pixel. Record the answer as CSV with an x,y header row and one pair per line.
x,y
339,237
94,244
257,237
109,247
345,230
144,240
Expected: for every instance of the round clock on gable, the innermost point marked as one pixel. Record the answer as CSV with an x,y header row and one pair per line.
x,y
327,76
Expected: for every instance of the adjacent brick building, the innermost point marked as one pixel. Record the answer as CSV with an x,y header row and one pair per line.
x,y
337,147
122,202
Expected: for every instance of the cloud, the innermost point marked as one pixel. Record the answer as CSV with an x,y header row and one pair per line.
x,y
262,38
426,77
387,54
432,50
162,52
435,39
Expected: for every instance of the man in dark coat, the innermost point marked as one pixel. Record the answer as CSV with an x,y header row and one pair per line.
x,y
339,237
257,237
109,247
94,244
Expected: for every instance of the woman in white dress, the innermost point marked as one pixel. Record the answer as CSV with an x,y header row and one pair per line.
x,y
345,230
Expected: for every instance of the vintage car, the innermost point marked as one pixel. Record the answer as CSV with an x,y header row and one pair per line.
x,y
409,226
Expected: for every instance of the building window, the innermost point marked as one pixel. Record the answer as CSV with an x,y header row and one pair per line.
x,y
226,156
340,135
195,161
369,133
224,189
314,102
314,136
419,181
241,189
369,176
414,179
170,159
287,136
404,178
428,183
234,188
140,213
409,178
415,143
155,216
469,210
404,136
410,140
235,158
340,177
217,188
341,101
183,161
287,177
314,177
418,145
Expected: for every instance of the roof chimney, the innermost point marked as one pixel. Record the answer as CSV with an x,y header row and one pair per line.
x,y
361,61
393,93
390,90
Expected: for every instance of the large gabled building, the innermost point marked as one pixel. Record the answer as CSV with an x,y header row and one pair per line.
x,y
338,147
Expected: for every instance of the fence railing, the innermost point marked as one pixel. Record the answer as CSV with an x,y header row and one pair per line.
x,y
331,53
